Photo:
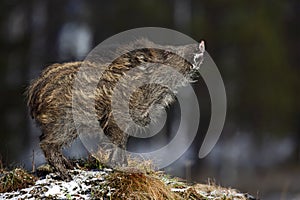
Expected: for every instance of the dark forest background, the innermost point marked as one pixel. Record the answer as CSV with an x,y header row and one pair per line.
x,y
255,44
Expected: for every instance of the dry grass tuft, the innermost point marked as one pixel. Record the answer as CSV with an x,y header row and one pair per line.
x,y
139,186
134,163
141,164
140,181
212,191
15,179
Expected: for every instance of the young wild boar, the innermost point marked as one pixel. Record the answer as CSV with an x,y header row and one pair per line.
x,y
50,96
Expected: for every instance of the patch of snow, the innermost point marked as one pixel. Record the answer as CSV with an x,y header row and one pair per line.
x,y
50,187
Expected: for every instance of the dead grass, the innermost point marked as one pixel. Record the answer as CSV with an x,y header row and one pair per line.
x,y
139,186
157,186
138,181
15,179
134,163
205,191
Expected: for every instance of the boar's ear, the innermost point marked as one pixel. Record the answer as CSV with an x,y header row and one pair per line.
x,y
202,46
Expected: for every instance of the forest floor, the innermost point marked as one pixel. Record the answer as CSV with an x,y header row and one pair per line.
x,y
98,182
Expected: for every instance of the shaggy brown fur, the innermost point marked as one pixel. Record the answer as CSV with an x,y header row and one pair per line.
x,y
50,96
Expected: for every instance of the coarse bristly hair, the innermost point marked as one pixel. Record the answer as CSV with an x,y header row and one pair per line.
x,y
50,95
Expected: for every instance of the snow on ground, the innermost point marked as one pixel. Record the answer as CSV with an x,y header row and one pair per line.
x,y
52,188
